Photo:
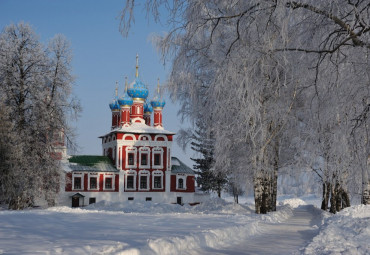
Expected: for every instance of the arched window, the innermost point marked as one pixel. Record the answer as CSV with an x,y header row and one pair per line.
x,y
130,177
144,180
130,158
157,179
144,160
157,158
181,183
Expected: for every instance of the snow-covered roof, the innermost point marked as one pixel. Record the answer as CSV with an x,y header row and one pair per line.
x,y
91,163
139,128
178,167
96,168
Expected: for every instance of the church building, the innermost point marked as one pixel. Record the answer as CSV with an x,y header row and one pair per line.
x,y
137,162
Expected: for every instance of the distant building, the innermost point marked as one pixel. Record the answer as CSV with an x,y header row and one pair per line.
x,y
137,163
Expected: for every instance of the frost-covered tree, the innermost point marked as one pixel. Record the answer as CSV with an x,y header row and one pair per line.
x,y
252,60
35,91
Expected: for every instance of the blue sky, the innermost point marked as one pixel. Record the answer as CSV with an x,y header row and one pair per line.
x,y
101,56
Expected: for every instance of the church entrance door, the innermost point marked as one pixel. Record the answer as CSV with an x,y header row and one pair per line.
x,y
75,201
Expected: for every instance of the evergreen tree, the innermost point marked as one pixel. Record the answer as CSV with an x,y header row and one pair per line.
x,y
208,178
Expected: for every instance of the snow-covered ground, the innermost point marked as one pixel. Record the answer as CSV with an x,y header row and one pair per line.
x,y
215,227
347,232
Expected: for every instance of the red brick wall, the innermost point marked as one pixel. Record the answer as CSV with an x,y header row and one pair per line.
x,y
86,181
190,184
116,184
101,182
173,182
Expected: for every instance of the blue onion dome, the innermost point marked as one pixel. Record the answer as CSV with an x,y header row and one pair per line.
x,y
158,101
114,106
125,99
148,108
138,90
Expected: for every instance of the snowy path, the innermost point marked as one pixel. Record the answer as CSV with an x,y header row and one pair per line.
x,y
277,238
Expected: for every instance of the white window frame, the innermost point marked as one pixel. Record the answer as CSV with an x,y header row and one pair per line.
x,y
168,159
183,177
128,135
134,151
147,138
130,173
112,176
146,174
78,175
157,173
95,175
119,157
157,150
144,150
165,139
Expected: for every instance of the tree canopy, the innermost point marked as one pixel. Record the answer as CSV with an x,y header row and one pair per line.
x,y
36,104
285,82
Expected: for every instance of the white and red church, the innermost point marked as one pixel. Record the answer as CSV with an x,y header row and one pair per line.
x,y
137,163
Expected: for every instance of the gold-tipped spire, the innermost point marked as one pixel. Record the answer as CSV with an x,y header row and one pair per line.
x,y
126,86
158,88
137,66
116,88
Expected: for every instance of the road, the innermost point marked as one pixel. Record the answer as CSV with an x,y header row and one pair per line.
x,y
277,238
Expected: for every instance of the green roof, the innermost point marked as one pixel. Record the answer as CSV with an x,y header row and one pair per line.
x,y
88,160
178,167
91,163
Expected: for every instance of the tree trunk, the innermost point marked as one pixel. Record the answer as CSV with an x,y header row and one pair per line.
x,y
263,193
236,198
338,197
265,198
345,199
325,196
333,199
219,191
268,193
257,185
275,178
365,197
19,203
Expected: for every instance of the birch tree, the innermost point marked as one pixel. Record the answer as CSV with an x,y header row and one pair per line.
x,y
251,60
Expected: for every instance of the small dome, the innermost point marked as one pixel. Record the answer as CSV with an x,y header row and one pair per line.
x,y
125,100
158,103
114,105
148,108
138,90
